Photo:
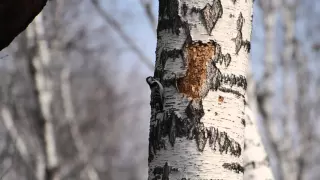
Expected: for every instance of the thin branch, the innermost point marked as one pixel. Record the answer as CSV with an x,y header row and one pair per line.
x,y
68,167
111,21
10,167
253,136
13,132
75,132
4,154
286,57
265,98
47,160
147,6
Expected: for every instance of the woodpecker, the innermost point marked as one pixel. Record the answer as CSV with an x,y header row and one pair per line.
x,y
156,92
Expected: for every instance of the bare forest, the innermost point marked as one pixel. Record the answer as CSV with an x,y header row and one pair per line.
x,y
75,104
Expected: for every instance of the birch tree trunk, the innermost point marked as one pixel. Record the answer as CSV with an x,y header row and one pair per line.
x,y
39,65
201,61
256,160
74,128
266,96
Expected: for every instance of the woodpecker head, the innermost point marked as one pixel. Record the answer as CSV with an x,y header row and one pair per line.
x,y
154,83
150,80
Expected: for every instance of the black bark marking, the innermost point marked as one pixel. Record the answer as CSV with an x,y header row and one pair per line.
x,y
227,59
222,142
236,167
215,79
166,172
172,127
195,112
184,9
239,42
247,45
158,170
195,10
238,39
220,58
256,164
174,25
252,163
170,124
243,122
160,64
240,22
227,90
174,54
219,140
170,9
211,14
156,130
201,136
234,1
170,79
162,173
234,80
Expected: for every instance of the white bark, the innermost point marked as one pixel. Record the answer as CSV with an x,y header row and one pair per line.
x,y
256,160
289,146
266,100
75,133
202,58
298,101
44,85
13,132
39,65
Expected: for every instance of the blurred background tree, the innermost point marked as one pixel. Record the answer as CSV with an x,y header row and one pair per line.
x,y
81,66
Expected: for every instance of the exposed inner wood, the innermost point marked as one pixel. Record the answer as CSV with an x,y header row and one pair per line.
x,y
198,56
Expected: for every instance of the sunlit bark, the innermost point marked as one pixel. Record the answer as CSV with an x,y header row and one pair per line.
x,y
201,61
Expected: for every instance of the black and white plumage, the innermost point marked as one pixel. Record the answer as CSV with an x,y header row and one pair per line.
x,y
156,92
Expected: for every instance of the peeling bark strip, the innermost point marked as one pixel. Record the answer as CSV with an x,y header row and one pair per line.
x,y
199,55
198,132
